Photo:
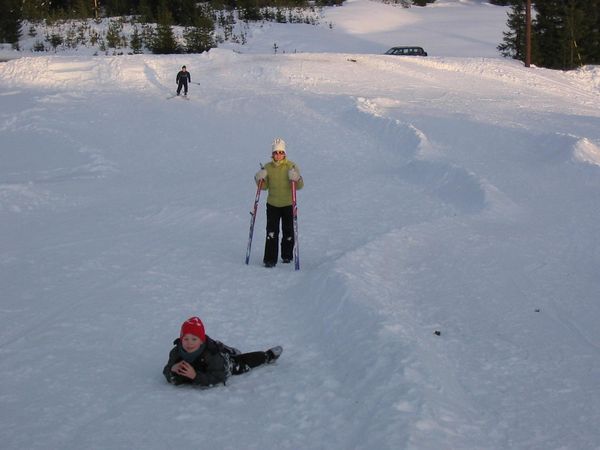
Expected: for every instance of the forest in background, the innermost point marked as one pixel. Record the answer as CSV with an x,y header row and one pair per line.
x,y
68,22
565,34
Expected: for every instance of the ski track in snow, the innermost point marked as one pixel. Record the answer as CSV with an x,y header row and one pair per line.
x,y
136,221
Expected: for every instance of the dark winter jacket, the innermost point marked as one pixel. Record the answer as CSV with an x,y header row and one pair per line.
x,y
210,365
183,77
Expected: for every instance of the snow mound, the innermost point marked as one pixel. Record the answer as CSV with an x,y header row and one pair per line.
x,y
76,74
586,151
452,184
425,165
589,75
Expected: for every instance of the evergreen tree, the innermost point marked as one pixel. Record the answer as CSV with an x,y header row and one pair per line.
x,y
422,2
198,39
55,40
565,33
118,7
574,29
329,2
551,28
35,9
164,41
113,34
81,9
590,38
184,12
10,21
513,44
136,42
145,12
249,10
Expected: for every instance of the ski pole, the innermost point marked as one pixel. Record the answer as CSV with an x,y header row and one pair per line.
x,y
253,217
295,215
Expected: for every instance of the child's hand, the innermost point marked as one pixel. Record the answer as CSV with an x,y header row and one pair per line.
x,y
184,369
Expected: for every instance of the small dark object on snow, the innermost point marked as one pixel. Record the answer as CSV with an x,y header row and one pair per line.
x,y
537,309
351,60
437,333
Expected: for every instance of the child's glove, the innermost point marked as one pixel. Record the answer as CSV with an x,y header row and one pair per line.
x,y
293,174
260,175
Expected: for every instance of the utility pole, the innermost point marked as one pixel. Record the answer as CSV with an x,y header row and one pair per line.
x,y
528,34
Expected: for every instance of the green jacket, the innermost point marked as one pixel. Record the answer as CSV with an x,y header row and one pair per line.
x,y
278,183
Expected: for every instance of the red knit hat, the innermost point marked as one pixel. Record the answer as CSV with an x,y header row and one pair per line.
x,y
193,326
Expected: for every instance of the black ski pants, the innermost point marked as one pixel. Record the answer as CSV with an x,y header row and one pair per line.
x,y
183,82
243,362
275,215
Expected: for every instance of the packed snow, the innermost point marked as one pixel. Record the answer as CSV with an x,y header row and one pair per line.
x,y
449,241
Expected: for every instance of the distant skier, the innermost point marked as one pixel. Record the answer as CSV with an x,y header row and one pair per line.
x,y
277,176
182,80
199,360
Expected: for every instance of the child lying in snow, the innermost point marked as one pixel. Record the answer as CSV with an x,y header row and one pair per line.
x,y
197,359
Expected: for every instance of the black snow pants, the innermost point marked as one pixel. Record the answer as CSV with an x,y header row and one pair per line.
x,y
183,83
275,215
243,362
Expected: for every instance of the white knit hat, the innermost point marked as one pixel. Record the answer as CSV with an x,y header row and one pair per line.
x,y
278,145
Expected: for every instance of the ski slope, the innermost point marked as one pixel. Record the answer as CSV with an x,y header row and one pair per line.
x,y
451,193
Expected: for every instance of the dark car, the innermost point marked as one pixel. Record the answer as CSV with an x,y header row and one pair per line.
x,y
407,51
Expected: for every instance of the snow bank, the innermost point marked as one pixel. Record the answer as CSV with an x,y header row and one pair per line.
x,y
586,151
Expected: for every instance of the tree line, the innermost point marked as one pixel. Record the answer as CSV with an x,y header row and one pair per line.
x,y
565,34
197,18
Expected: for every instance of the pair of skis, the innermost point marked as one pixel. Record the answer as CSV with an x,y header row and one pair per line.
x,y
175,95
295,216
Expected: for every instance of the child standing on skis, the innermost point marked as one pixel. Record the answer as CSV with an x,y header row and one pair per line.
x,y
182,79
276,177
199,360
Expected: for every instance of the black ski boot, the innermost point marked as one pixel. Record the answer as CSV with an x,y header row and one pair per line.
x,y
274,353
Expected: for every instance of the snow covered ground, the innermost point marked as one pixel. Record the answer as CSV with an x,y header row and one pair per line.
x,y
373,27
456,193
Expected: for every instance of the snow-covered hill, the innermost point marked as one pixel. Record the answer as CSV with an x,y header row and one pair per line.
x,y
451,193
